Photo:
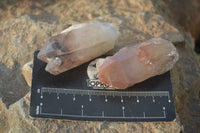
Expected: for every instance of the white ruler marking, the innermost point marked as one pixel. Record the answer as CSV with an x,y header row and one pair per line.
x,y
103,116
138,100
144,115
41,95
102,113
105,93
90,99
61,112
74,98
40,109
81,110
123,111
37,110
153,99
122,100
38,90
106,100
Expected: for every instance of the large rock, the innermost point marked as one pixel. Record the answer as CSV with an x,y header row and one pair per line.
x,y
187,17
26,25
186,71
184,15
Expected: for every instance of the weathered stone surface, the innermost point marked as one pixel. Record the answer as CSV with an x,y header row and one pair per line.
x,y
26,25
187,18
186,71
138,62
191,107
27,72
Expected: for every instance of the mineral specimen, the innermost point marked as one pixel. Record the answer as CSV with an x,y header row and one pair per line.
x,y
92,69
77,45
136,63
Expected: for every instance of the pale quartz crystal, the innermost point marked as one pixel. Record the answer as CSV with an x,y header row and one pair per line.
x,y
136,63
77,45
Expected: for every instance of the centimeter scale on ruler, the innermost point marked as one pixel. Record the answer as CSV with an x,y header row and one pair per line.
x,y
69,96
99,104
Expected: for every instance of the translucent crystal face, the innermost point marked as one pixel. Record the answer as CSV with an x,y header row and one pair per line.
x,y
77,45
51,49
158,53
135,63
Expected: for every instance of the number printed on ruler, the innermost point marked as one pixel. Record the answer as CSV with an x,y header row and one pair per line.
x,y
103,104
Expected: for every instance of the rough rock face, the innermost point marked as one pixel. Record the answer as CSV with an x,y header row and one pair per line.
x,y
26,25
187,18
27,70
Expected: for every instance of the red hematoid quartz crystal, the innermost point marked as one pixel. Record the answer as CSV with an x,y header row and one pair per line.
x,y
136,63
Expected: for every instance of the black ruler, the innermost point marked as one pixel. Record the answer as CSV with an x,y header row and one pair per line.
x,y
70,95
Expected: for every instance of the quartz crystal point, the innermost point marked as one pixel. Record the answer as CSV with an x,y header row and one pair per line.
x,y
77,45
136,63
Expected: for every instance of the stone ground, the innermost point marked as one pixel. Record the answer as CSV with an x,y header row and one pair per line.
x,y
26,25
